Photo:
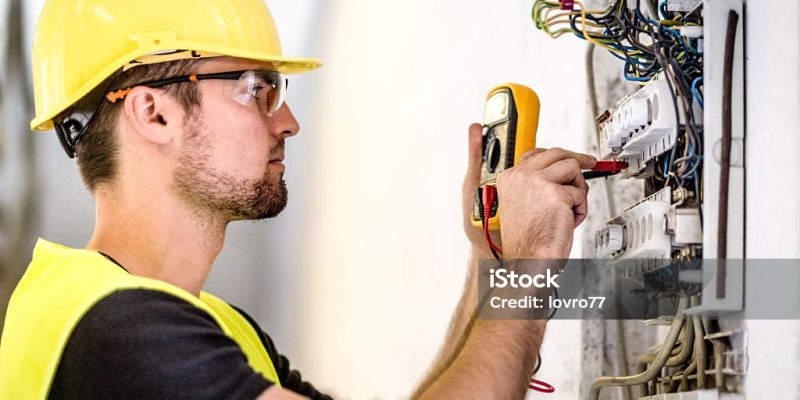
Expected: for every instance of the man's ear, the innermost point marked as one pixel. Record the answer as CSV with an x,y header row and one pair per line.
x,y
152,114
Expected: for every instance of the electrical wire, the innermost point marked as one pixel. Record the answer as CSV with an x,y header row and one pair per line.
x,y
700,352
489,196
617,30
725,152
696,92
658,363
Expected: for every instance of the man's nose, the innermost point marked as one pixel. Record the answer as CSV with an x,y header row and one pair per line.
x,y
284,124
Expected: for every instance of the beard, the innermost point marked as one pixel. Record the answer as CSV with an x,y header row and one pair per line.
x,y
221,194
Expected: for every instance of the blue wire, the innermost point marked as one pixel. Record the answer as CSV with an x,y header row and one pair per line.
x,y
639,16
663,9
680,38
632,78
696,92
676,34
618,56
617,47
633,58
612,45
692,49
666,170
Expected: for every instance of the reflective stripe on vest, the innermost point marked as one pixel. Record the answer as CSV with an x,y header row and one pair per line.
x,y
59,287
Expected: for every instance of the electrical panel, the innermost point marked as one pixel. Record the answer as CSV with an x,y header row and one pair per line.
x,y
681,134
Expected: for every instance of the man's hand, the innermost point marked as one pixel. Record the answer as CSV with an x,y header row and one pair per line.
x,y
542,200
471,182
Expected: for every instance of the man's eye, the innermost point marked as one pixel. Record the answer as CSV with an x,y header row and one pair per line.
x,y
255,90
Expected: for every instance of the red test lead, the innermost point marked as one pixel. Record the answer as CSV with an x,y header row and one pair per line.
x,y
612,166
605,168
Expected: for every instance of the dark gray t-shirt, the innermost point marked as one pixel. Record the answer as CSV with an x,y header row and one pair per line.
x,y
145,344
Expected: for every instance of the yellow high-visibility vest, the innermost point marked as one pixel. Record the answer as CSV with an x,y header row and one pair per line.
x,y
59,287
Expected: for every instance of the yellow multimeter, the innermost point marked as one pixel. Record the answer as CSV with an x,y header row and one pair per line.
x,y
510,120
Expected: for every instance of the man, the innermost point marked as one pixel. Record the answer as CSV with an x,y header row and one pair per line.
x,y
175,113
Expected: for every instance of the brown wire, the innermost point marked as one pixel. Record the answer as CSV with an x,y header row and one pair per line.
x,y
725,154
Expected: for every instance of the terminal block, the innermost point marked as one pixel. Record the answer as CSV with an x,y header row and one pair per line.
x,y
641,127
651,229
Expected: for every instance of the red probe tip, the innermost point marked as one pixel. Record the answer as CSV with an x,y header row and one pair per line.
x,y
612,166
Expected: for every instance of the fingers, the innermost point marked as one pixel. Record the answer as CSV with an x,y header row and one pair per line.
x,y
580,207
530,153
473,176
566,172
546,158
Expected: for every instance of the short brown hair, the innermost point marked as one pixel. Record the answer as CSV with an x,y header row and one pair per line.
x,y
98,148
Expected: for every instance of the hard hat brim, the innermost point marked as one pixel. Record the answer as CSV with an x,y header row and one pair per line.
x,y
286,65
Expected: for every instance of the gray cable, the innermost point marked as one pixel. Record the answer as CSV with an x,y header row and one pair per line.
x,y
700,352
655,367
684,352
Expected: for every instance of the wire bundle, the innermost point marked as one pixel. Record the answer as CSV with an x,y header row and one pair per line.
x,y
627,34
649,48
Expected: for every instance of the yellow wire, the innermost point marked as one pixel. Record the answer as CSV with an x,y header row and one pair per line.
x,y
554,19
585,33
567,21
546,14
559,4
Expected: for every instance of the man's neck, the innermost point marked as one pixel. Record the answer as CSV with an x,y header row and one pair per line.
x,y
157,236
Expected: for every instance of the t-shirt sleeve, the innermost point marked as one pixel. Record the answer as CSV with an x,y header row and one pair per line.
x,y
290,378
144,344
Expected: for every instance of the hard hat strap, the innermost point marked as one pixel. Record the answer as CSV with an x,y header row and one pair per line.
x,y
69,133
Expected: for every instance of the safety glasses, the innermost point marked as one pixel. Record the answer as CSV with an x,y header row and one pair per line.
x,y
262,87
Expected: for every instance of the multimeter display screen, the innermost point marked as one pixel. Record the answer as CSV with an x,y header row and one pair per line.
x,y
496,108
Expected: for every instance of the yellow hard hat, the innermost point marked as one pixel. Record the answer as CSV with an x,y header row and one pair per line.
x,y
80,43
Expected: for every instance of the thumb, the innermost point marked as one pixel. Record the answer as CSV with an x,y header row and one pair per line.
x,y
473,177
